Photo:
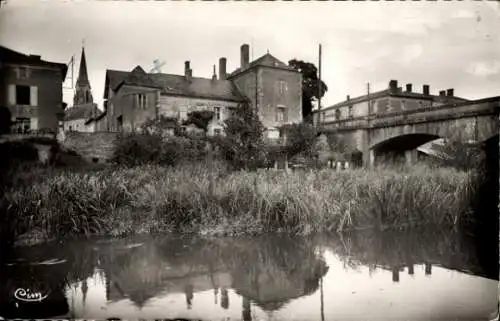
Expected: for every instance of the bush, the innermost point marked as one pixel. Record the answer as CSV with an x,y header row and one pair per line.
x,y
243,145
140,149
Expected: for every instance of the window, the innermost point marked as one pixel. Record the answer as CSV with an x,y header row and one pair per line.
x,y
141,101
323,116
22,73
217,113
280,114
21,125
403,105
23,95
337,114
282,87
350,111
119,121
217,132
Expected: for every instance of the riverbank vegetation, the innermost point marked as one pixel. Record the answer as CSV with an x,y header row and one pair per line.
x,y
194,199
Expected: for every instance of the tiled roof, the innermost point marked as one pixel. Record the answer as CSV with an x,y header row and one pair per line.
x,y
400,93
266,60
86,112
8,55
176,85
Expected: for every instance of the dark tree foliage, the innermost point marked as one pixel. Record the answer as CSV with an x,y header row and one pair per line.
x,y
243,144
309,85
200,119
299,138
5,121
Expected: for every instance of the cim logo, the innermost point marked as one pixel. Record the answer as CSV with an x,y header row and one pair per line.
x,y
27,295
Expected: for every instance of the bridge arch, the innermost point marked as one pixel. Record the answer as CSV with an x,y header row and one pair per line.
x,y
404,142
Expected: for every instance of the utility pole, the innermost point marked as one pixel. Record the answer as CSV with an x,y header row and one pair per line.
x,y
319,87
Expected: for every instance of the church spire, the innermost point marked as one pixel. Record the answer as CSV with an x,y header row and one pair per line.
x,y
83,93
83,78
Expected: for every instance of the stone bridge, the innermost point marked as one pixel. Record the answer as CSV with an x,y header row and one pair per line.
x,y
401,133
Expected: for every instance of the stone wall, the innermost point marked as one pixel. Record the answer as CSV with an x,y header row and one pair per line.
x,y
98,146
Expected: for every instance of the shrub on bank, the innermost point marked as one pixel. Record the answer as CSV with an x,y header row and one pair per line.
x,y
192,199
141,148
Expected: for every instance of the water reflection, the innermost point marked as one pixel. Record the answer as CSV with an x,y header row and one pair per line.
x,y
386,275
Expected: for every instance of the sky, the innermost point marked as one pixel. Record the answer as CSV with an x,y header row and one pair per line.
x,y
443,44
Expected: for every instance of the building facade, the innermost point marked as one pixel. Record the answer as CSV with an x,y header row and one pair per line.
x,y
392,99
31,88
273,89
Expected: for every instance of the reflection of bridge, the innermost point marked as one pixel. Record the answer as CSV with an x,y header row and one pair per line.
x,y
396,122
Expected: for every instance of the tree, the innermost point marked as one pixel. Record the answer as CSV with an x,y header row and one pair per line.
x,y
309,85
299,138
5,121
243,145
200,119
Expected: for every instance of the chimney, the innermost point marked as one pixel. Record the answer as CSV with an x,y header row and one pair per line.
x,y
393,86
442,93
425,89
348,97
408,88
245,57
450,92
222,68
186,68
214,75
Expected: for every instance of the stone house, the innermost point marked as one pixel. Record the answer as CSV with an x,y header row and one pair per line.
x,y
269,85
392,99
32,90
81,118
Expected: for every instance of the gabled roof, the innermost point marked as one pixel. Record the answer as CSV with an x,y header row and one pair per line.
x,y
10,56
266,60
137,77
87,112
177,85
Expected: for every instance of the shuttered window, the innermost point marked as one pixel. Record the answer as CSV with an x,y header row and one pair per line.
x,y
23,95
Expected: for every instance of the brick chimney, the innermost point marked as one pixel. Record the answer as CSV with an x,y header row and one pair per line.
x,y
442,93
450,92
222,68
245,56
408,88
393,86
188,72
425,89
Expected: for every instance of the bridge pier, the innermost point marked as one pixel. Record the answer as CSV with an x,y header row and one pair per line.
x,y
411,156
369,158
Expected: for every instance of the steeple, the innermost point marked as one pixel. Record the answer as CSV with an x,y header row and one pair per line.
x,y
83,93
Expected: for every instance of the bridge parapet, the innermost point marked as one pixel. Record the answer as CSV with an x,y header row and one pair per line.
x,y
489,106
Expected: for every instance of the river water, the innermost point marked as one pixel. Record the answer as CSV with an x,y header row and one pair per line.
x,y
417,275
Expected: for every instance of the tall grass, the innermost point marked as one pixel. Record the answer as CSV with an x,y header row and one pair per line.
x,y
191,198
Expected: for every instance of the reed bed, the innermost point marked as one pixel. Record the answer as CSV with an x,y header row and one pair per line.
x,y
194,199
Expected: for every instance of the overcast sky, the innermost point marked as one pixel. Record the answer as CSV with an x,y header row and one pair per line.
x,y
443,44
